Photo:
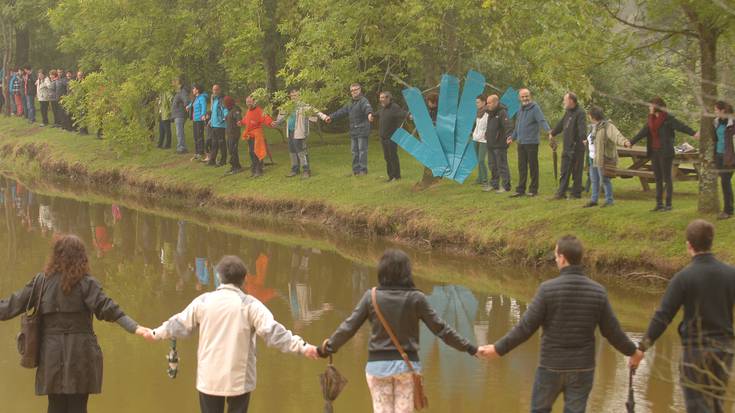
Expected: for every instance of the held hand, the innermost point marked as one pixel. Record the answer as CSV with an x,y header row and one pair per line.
x,y
311,352
509,141
635,360
142,331
584,142
627,144
487,352
696,135
328,119
370,117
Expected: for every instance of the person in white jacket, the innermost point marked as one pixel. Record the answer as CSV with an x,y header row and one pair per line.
x,y
43,92
226,320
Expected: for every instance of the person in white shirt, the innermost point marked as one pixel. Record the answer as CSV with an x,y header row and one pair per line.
x,y
226,320
478,136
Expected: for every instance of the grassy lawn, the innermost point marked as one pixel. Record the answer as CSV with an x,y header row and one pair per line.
x,y
624,236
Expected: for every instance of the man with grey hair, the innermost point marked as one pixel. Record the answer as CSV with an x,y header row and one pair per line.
x,y
226,320
360,114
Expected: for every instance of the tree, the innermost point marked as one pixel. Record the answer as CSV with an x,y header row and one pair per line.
x,y
704,23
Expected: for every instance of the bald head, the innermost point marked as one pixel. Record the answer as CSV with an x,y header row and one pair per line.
x,y
492,102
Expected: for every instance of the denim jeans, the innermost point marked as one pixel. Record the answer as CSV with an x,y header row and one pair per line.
x,y
299,154
30,105
180,140
549,384
359,154
481,151
597,175
705,369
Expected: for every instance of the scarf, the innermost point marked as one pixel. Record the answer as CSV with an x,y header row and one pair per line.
x,y
654,123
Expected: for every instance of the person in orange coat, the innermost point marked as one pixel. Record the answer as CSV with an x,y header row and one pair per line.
x,y
253,121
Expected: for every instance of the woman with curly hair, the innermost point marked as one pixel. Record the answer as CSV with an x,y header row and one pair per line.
x,y
70,359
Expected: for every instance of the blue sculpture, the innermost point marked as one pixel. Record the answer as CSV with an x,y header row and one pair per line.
x,y
445,148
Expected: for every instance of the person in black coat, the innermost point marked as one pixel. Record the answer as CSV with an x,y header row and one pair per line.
x,y
659,132
573,126
70,360
391,116
705,289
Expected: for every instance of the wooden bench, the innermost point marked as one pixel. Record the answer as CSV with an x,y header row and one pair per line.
x,y
685,166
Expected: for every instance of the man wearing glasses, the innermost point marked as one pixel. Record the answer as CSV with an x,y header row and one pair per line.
x,y
360,114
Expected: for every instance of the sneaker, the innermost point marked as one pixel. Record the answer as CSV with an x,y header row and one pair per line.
x,y
723,216
501,191
518,195
488,188
589,204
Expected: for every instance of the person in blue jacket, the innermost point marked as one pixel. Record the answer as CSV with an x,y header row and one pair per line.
x,y
218,125
198,109
528,124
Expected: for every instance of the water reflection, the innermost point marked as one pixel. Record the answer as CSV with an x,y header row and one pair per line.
x,y
154,265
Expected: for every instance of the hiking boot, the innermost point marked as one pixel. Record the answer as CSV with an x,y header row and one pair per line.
x,y
589,204
723,216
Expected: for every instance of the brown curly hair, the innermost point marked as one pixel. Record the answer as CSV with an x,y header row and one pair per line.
x,y
69,261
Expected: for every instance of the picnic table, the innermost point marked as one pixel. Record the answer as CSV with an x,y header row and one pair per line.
x,y
684,168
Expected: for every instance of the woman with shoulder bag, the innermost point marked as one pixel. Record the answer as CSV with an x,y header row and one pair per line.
x,y
603,145
70,359
393,368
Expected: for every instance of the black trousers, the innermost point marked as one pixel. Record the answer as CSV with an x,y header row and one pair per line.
x,y
572,166
662,164
67,403
199,137
44,112
218,145
390,153
216,404
726,184
164,133
527,162
256,165
705,369
232,144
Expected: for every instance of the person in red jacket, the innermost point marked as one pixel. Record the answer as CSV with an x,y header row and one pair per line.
x,y
253,121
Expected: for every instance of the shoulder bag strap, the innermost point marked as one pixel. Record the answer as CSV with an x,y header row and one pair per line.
x,y
387,328
40,293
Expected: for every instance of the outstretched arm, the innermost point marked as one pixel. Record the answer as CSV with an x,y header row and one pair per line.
x,y
105,308
530,322
273,332
349,327
14,305
180,325
441,329
611,330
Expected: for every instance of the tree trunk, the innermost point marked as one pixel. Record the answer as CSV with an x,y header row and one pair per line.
x,y
708,192
22,46
6,32
271,44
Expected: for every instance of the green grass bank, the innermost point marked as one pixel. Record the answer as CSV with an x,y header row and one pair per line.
x,y
624,240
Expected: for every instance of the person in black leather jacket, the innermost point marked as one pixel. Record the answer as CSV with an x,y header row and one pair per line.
x,y
402,306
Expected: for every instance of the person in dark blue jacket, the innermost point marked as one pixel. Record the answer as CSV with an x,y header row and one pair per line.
x,y
360,114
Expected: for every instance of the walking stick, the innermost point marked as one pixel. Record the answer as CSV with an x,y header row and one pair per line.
x,y
555,158
173,360
630,404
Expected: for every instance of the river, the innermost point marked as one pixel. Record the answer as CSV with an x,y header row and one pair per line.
x,y
153,264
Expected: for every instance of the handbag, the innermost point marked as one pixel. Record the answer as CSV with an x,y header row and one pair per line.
x,y
29,338
420,401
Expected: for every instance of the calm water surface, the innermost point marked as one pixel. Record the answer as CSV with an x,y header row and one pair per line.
x,y
154,266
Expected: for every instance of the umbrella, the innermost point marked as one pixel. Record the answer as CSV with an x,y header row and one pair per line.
x,y
332,384
555,157
630,404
